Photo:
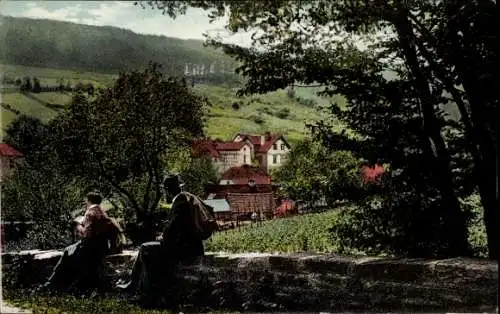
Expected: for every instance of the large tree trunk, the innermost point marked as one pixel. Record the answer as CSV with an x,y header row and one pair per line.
x,y
479,80
454,224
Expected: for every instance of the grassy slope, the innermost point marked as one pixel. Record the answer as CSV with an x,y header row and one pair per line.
x,y
296,234
222,120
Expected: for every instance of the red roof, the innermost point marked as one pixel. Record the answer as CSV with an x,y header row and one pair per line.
x,y
243,174
226,146
269,140
8,151
254,139
201,147
371,174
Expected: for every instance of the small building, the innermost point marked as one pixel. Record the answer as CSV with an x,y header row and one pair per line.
x,y
245,199
221,207
243,205
269,151
245,175
10,159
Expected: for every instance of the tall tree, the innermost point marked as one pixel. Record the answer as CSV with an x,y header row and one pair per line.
x,y
37,88
313,172
117,138
441,49
26,134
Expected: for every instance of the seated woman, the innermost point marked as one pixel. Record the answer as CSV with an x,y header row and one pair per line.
x,y
78,268
181,243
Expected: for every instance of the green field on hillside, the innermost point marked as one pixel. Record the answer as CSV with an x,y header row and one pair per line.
x,y
275,112
304,233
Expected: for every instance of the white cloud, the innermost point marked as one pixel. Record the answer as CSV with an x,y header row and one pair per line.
x,y
63,14
125,14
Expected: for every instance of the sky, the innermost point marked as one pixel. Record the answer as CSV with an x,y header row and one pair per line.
x,y
123,14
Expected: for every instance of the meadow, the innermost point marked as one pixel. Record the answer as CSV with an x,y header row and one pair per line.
x,y
226,114
303,233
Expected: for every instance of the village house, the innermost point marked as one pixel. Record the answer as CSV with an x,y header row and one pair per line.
x,y
269,151
243,200
10,159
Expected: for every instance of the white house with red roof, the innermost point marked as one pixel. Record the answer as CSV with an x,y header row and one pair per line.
x,y
269,150
10,158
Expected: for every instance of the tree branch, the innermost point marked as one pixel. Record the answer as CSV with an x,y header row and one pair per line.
x,y
114,184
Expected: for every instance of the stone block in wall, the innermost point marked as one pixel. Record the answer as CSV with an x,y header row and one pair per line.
x,y
303,282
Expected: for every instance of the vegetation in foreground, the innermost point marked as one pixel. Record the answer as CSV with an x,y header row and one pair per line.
x,y
69,304
324,233
305,233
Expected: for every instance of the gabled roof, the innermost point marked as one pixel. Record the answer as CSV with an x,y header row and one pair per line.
x,y
254,139
9,151
230,146
245,173
269,140
204,146
269,143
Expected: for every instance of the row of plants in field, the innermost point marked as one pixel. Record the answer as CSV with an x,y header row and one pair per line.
x,y
315,233
307,233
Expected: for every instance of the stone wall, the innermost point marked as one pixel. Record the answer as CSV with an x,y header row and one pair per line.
x,y
307,282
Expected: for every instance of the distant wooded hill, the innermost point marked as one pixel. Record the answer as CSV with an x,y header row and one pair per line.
x,y
105,49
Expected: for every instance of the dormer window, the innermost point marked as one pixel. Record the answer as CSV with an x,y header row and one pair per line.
x,y
275,146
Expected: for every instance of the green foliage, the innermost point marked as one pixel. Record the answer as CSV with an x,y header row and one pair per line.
x,y
283,113
257,119
307,233
313,171
376,228
477,231
116,138
195,172
69,304
42,194
26,134
39,189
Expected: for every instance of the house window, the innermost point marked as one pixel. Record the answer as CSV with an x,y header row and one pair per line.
x,y
245,159
283,147
275,146
275,159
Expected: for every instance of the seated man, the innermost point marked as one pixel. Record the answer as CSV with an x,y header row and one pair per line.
x,y
181,243
77,270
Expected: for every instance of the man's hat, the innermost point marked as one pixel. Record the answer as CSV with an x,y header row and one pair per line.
x,y
173,180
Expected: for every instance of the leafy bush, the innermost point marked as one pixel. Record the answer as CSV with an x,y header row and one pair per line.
x,y
257,119
265,110
236,106
404,228
283,113
45,197
477,231
312,172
